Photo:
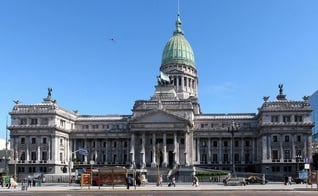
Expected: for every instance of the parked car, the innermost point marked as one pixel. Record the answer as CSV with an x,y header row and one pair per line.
x,y
255,180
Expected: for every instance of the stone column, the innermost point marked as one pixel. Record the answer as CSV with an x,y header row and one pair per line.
x,y
165,162
85,146
154,151
264,148
95,150
49,157
269,152
253,150
39,154
293,153
132,149
143,156
186,149
305,148
281,149
175,151
242,151
220,151
198,150
209,151
54,150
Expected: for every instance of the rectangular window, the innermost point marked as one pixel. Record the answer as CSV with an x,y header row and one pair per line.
x,y
286,119
22,156
236,157
276,169
247,143
287,154
34,121
215,144
169,141
23,121
275,154
298,138
286,138
247,157
275,138
62,123
275,118
44,121
215,158
203,159
44,155
22,141
236,143
298,118
225,143
33,156
44,140
225,157
33,140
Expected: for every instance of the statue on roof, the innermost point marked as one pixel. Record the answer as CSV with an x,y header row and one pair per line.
x,y
163,79
280,86
49,93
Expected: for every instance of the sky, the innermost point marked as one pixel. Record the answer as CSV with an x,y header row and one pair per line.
x,y
100,56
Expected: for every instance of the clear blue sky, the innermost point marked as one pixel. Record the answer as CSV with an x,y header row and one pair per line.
x,y
243,50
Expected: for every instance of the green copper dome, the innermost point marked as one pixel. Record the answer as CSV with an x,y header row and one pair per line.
x,y
178,49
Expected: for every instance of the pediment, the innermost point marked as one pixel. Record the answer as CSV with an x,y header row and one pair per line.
x,y
159,116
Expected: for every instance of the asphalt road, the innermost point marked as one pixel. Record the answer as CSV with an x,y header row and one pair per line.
x,y
166,193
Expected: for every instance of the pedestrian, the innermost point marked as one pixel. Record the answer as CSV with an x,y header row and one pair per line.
x,y
195,181
29,181
160,180
128,181
173,181
289,180
12,183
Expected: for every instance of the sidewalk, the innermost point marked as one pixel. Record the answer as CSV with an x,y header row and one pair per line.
x,y
153,187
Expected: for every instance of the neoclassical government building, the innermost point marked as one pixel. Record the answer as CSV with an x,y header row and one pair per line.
x,y
168,130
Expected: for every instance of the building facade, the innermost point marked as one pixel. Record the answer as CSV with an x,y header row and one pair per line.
x,y
168,130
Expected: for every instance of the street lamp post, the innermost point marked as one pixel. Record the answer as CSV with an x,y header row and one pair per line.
x,y
298,157
232,129
91,162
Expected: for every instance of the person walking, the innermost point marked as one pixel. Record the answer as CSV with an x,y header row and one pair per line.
x,y
195,181
128,181
12,183
160,180
173,181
